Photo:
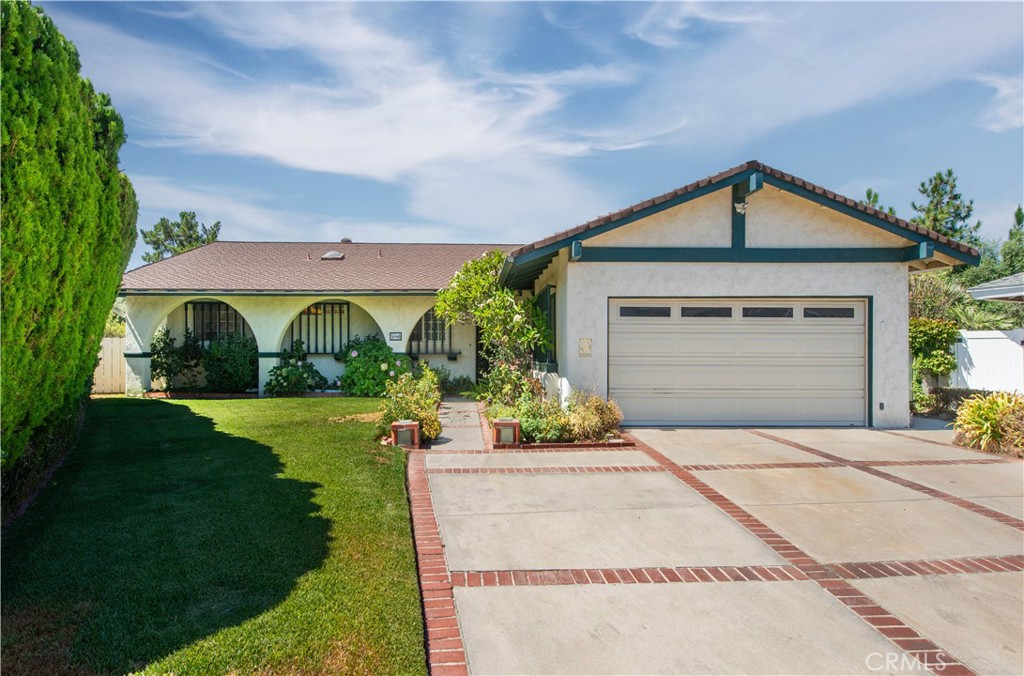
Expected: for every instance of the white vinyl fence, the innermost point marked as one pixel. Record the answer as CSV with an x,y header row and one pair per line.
x,y
990,360
109,375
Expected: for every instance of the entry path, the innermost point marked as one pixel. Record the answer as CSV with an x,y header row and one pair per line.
x,y
721,551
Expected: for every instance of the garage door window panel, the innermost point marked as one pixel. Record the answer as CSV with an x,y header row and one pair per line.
x,y
829,313
704,311
646,311
768,312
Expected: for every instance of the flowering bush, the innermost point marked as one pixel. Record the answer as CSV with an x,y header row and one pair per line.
x,y
510,327
411,398
295,375
370,364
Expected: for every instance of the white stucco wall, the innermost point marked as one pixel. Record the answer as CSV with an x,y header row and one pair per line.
x,y
703,222
776,218
464,349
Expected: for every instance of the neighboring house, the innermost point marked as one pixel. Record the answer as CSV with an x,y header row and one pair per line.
x,y
1009,289
751,297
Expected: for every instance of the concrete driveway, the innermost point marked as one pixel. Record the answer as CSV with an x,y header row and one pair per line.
x,y
796,551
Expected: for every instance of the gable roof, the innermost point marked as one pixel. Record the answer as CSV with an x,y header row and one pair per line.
x,y
529,257
297,266
1009,288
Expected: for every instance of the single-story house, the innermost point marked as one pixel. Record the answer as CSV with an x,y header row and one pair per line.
x,y
749,297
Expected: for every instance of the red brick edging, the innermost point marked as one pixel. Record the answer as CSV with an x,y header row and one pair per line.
x,y
972,565
446,655
768,573
545,470
648,575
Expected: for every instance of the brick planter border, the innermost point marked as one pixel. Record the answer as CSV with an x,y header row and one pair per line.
x,y
446,655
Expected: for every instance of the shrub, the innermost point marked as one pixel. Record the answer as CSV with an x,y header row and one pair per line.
x,y
993,422
232,363
172,362
68,229
930,343
370,364
295,375
946,400
540,421
592,418
410,398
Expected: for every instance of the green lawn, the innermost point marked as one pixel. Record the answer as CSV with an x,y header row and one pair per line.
x,y
266,535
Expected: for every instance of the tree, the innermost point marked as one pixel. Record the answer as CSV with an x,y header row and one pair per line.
x,y
945,210
68,229
1013,248
509,327
170,238
871,199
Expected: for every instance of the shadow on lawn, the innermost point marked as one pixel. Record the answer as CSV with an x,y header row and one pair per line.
x,y
158,531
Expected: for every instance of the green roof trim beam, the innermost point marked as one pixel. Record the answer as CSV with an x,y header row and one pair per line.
x,y
625,254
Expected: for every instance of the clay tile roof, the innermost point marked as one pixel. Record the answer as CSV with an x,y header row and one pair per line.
x,y
753,165
297,266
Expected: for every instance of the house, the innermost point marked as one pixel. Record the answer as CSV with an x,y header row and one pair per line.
x,y
323,293
749,297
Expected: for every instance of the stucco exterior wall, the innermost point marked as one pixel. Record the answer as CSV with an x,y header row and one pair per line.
x,y
776,218
703,222
271,316
594,283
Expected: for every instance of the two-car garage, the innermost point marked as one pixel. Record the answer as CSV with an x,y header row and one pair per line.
x,y
732,361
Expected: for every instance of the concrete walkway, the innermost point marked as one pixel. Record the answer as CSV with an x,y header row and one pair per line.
x,y
798,551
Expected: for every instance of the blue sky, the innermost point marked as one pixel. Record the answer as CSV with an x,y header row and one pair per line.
x,y
500,122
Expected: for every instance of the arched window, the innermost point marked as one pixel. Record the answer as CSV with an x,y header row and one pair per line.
x,y
207,320
322,328
430,336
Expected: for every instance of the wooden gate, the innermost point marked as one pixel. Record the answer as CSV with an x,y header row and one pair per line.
x,y
109,375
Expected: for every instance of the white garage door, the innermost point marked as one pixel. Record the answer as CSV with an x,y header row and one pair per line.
x,y
738,361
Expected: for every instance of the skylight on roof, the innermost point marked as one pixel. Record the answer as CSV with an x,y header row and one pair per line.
x,y
332,256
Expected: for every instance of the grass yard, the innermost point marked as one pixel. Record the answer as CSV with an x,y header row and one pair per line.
x,y
265,535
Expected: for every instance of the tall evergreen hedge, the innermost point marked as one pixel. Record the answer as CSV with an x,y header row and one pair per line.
x,y
67,223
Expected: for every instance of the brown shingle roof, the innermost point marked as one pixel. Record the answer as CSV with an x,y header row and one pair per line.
x,y
296,266
753,165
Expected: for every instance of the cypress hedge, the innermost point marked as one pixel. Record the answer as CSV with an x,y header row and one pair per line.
x,y
67,221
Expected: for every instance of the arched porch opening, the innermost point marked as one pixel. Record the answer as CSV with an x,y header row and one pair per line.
x,y
325,328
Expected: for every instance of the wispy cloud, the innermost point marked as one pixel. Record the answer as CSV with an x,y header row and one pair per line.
x,y
1006,110
483,148
809,60
666,24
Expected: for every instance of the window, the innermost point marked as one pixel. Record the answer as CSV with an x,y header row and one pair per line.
x,y
322,328
644,311
706,312
767,312
545,356
208,320
430,335
828,312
